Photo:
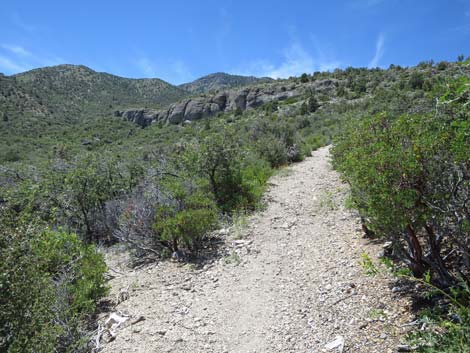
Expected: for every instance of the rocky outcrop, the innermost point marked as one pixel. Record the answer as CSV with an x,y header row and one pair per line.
x,y
206,106
140,117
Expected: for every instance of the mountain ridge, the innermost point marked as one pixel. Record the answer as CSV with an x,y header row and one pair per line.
x,y
221,80
74,91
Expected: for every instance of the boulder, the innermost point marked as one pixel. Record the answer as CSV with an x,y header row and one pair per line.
x,y
140,117
176,114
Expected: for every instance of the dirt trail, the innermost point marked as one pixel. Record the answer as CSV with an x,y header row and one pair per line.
x,y
292,283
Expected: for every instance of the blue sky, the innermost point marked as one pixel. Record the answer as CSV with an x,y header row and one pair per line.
x,y
179,41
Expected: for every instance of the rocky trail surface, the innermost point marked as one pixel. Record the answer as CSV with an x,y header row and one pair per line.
x,y
289,280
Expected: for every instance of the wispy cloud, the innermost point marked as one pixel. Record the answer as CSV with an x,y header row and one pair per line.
x,y
9,66
146,67
296,59
367,3
15,58
16,50
175,71
182,72
379,51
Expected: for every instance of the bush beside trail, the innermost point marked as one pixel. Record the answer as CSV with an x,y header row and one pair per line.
x,y
50,283
410,181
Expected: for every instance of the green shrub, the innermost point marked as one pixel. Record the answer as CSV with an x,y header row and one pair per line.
x,y
303,109
185,218
272,150
10,155
312,143
255,175
304,78
75,194
408,186
221,162
416,80
341,91
310,106
49,285
442,65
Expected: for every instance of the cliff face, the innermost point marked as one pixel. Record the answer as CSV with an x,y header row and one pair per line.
x,y
206,106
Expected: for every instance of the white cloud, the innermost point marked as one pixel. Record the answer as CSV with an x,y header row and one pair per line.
x,y
295,61
379,51
175,71
366,3
182,73
146,67
16,49
15,58
9,66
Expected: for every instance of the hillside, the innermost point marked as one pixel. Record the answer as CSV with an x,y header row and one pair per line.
x,y
65,94
77,89
221,81
80,108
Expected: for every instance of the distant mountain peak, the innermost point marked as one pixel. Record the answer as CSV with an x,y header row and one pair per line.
x,y
221,80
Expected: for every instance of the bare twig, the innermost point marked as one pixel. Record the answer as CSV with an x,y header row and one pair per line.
x,y
341,299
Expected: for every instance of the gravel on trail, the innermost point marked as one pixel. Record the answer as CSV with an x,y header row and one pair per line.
x,y
290,281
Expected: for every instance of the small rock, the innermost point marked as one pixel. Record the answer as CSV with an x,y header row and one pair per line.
x,y
337,343
224,231
138,319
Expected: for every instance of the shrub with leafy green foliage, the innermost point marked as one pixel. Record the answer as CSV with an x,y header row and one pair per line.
x,y
75,194
50,283
186,217
416,80
272,150
90,184
413,186
222,161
